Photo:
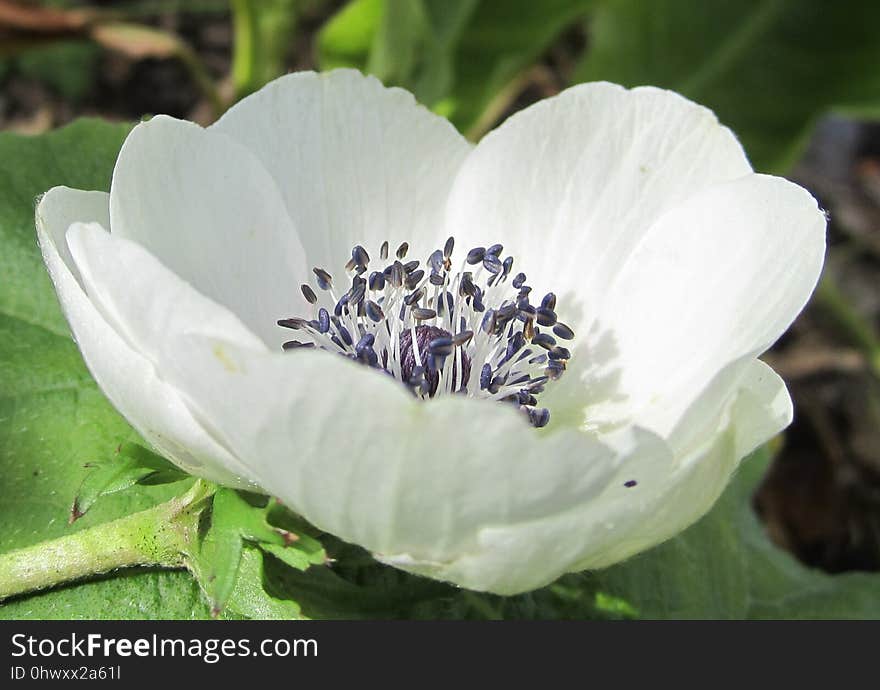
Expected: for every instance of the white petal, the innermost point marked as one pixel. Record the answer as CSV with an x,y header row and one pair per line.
x,y
358,456
357,163
715,281
127,378
763,408
622,521
570,184
142,299
759,410
206,208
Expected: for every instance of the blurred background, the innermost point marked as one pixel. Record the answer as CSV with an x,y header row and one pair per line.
x,y
797,80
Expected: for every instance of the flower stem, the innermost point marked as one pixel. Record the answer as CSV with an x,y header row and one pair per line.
x,y
263,33
160,536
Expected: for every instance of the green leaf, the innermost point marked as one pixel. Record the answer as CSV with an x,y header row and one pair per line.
x,y
459,56
768,68
163,471
726,567
264,34
219,558
414,45
250,598
105,478
53,419
404,42
132,465
236,523
345,40
499,44
355,586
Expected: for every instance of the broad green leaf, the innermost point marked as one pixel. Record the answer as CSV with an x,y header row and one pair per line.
x,y
53,419
768,68
726,567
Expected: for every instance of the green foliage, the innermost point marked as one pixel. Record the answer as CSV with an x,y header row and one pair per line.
x,y
133,464
53,419
726,567
347,38
263,37
498,46
230,572
768,68
250,598
67,67
456,56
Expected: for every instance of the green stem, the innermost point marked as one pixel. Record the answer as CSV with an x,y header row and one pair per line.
x,y
160,536
203,81
263,32
496,107
482,605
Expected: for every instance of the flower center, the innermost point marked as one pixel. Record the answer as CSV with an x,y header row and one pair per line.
x,y
432,327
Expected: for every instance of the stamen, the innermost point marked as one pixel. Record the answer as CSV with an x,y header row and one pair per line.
x,y
428,326
325,282
309,294
563,331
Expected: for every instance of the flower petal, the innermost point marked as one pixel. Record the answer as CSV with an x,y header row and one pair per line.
x,y
206,208
358,456
759,410
570,184
127,378
714,281
356,163
763,408
623,520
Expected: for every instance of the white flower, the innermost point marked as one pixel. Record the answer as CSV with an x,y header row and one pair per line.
x,y
673,263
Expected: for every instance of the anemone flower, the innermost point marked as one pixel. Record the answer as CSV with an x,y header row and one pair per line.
x,y
487,364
